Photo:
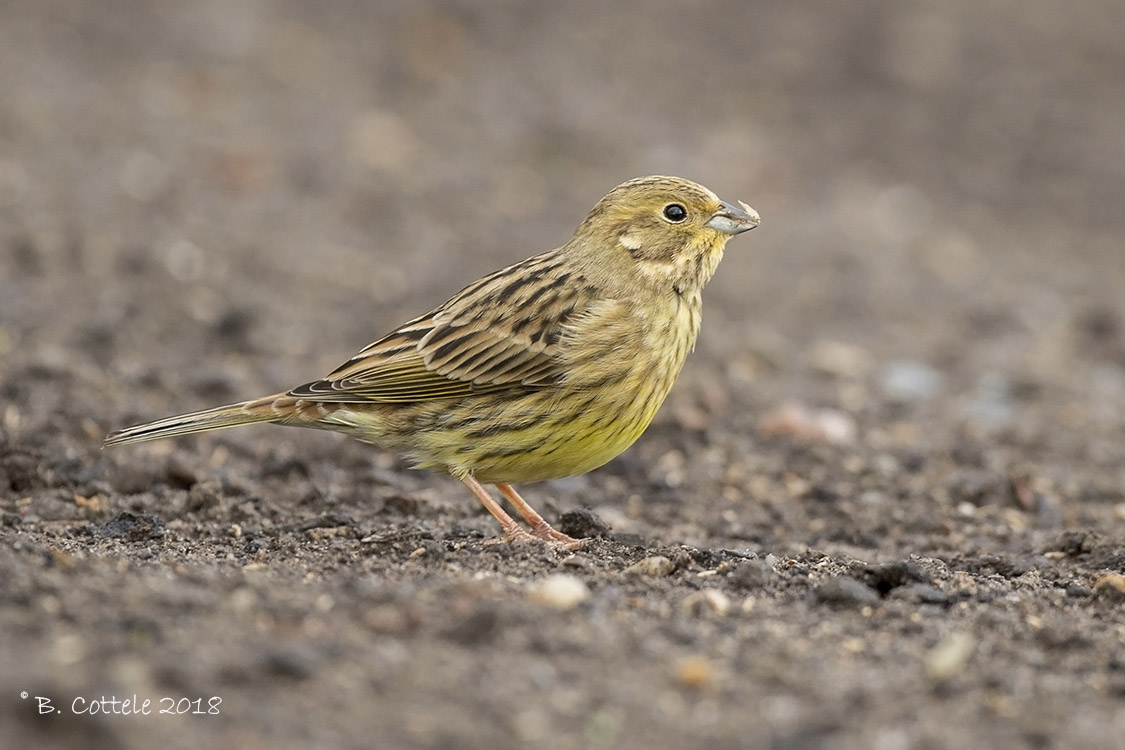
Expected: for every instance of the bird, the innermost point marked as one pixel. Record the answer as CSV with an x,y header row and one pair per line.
x,y
545,369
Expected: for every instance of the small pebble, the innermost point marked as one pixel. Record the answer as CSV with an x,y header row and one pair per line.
x,y
801,423
948,658
695,672
1075,591
560,591
906,381
1110,586
656,566
927,594
708,602
583,523
845,590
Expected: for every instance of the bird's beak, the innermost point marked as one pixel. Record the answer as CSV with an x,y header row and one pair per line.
x,y
732,220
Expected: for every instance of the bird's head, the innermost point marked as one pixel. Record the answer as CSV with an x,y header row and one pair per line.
x,y
671,231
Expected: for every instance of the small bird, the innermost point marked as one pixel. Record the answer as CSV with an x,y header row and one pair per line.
x,y
545,369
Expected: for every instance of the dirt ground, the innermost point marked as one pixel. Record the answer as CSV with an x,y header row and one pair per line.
x,y
883,508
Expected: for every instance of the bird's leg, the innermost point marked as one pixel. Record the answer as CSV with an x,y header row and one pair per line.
x,y
540,529
513,532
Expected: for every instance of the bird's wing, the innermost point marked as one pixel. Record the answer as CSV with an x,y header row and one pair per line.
x,y
500,333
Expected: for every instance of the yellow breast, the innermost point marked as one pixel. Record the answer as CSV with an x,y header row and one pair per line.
x,y
623,363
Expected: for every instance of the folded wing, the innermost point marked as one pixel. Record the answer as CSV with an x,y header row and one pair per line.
x,y
471,345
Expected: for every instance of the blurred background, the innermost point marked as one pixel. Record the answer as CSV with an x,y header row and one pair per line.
x,y
920,351
276,183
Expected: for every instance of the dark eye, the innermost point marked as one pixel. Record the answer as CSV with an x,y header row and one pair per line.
x,y
675,213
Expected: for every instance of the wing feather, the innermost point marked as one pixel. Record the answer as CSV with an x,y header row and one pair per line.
x,y
501,333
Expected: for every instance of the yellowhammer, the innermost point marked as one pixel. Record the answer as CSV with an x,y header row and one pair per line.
x,y
544,369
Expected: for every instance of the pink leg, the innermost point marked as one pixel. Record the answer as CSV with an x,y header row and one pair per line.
x,y
540,529
512,530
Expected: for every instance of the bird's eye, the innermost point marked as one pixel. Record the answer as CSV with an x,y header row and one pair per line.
x,y
675,213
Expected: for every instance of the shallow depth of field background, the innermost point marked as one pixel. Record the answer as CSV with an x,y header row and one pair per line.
x,y
921,351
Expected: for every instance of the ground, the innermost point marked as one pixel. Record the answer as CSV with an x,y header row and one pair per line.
x,y
884,506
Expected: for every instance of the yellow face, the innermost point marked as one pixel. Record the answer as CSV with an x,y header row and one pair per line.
x,y
674,230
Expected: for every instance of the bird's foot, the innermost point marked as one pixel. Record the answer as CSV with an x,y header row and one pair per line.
x,y
541,531
544,535
545,532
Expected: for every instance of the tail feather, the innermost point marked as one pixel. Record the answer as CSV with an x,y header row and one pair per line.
x,y
232,415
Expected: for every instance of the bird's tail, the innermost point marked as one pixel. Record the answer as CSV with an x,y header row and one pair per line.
x,y
246,412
